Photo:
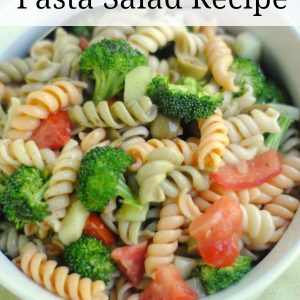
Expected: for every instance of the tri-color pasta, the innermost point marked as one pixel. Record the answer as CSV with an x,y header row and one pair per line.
x,y
154,176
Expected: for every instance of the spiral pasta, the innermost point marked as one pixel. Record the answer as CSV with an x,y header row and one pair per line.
x,y
109,216
187,206
184,178
93,139
258,122
189,43
118,115
123,290
246,150
282,208
149,39
231,105
129,232
43,71
290,144
151,176
158,66
8,92
40,103
15,70
214,139
165,240
15,153
42,49
62,183
57,279
141,151
132,136
66,52
11,242
220,58
111,32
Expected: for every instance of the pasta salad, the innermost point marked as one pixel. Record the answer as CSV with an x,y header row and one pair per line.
x,y
144,162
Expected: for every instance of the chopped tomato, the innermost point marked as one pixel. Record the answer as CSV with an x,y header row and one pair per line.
x,y
110,102
168,285
251,173
216,231
53,132
83,43
95,227
130,260
219,253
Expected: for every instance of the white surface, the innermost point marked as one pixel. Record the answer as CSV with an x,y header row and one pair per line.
x,y
281,51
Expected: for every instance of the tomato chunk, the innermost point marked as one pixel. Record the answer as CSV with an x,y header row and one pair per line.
x,y
96,227
168,285
83,43
249,174
219,253
53,132
130,260
217,232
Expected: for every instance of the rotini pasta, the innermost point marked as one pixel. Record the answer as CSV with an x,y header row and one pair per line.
x,y
123,290
220,58
57,279
15,70
8,92
258,122
290,144
158,66
141,151
118,115
165,240
15,153
95,138
132,136
151,176
214,139
42,49
187,206
62,183
40,103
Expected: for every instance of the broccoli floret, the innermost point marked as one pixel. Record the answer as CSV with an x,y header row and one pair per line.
x,y
22,198
3,182
101,178
246,71
89,258
274,139
215,279
188,101
272,93
85,31
108,62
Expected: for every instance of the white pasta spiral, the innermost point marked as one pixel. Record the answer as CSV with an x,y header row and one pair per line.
x,y
149,39
123,290
189,43
129,232
290,144
15,153
111,32
220,58
43,48
15,70
158,66
258,122
214,139
187,206
57,279
62,183
151,176
232,106
39,104
165,240
141,151
109,216
66,53
118,115
133,136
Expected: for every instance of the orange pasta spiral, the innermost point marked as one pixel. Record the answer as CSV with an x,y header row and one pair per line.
x,y
165,240
40,103
214,139
57,279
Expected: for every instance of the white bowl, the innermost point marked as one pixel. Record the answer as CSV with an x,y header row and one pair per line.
x,y
281,56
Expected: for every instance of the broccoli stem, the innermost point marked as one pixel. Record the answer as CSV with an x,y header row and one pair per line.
x,y
107,85
39,195
127,195
274,139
